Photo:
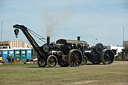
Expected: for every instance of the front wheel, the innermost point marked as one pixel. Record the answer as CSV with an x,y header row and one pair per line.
x,y
51,61
41,62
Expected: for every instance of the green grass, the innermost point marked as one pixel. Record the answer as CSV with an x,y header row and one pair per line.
x,y
31,74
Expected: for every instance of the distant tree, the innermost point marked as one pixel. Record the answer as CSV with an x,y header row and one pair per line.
x,y
125,53
125,50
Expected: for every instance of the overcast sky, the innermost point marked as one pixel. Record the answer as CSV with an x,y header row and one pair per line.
x,y
93,20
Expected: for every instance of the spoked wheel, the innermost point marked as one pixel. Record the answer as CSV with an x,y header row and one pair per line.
x,y
41,62
51,61
107,56
75,57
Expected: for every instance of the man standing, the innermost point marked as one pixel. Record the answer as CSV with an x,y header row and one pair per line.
x,y
9,58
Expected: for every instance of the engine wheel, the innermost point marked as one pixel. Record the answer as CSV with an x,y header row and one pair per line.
x,y
75,58
99,47
51,61
41,62
107,56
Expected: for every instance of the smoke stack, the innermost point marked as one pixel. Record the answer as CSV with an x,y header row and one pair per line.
x,y
78,38
48,40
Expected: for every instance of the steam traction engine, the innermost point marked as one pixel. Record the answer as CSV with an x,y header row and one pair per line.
x,y
67,52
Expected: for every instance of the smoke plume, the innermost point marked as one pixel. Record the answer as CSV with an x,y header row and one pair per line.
x,y
54,16
50,22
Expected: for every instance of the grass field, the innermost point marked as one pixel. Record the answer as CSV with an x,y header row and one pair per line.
x,y
31,74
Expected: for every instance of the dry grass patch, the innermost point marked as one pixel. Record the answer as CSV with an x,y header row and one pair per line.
x,y
114,74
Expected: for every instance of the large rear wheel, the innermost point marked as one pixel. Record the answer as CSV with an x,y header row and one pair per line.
x,y
107,56
75,57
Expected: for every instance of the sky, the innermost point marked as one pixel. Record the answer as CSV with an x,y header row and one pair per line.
x,y
96,21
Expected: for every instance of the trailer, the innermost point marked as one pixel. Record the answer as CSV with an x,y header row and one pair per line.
x,y
117,49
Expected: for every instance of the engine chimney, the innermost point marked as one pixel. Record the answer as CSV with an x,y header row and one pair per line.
x,y
48,40
78,38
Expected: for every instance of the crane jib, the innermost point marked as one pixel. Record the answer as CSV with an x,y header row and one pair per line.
x,y
30,38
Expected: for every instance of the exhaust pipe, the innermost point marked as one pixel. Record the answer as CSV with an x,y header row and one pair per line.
x,y
78,38
48,40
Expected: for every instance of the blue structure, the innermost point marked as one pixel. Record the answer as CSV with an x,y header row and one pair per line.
x,y
4,54
11,52
29,54
22,54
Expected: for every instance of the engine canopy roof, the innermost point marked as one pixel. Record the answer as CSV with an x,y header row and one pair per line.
x,y
64,41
